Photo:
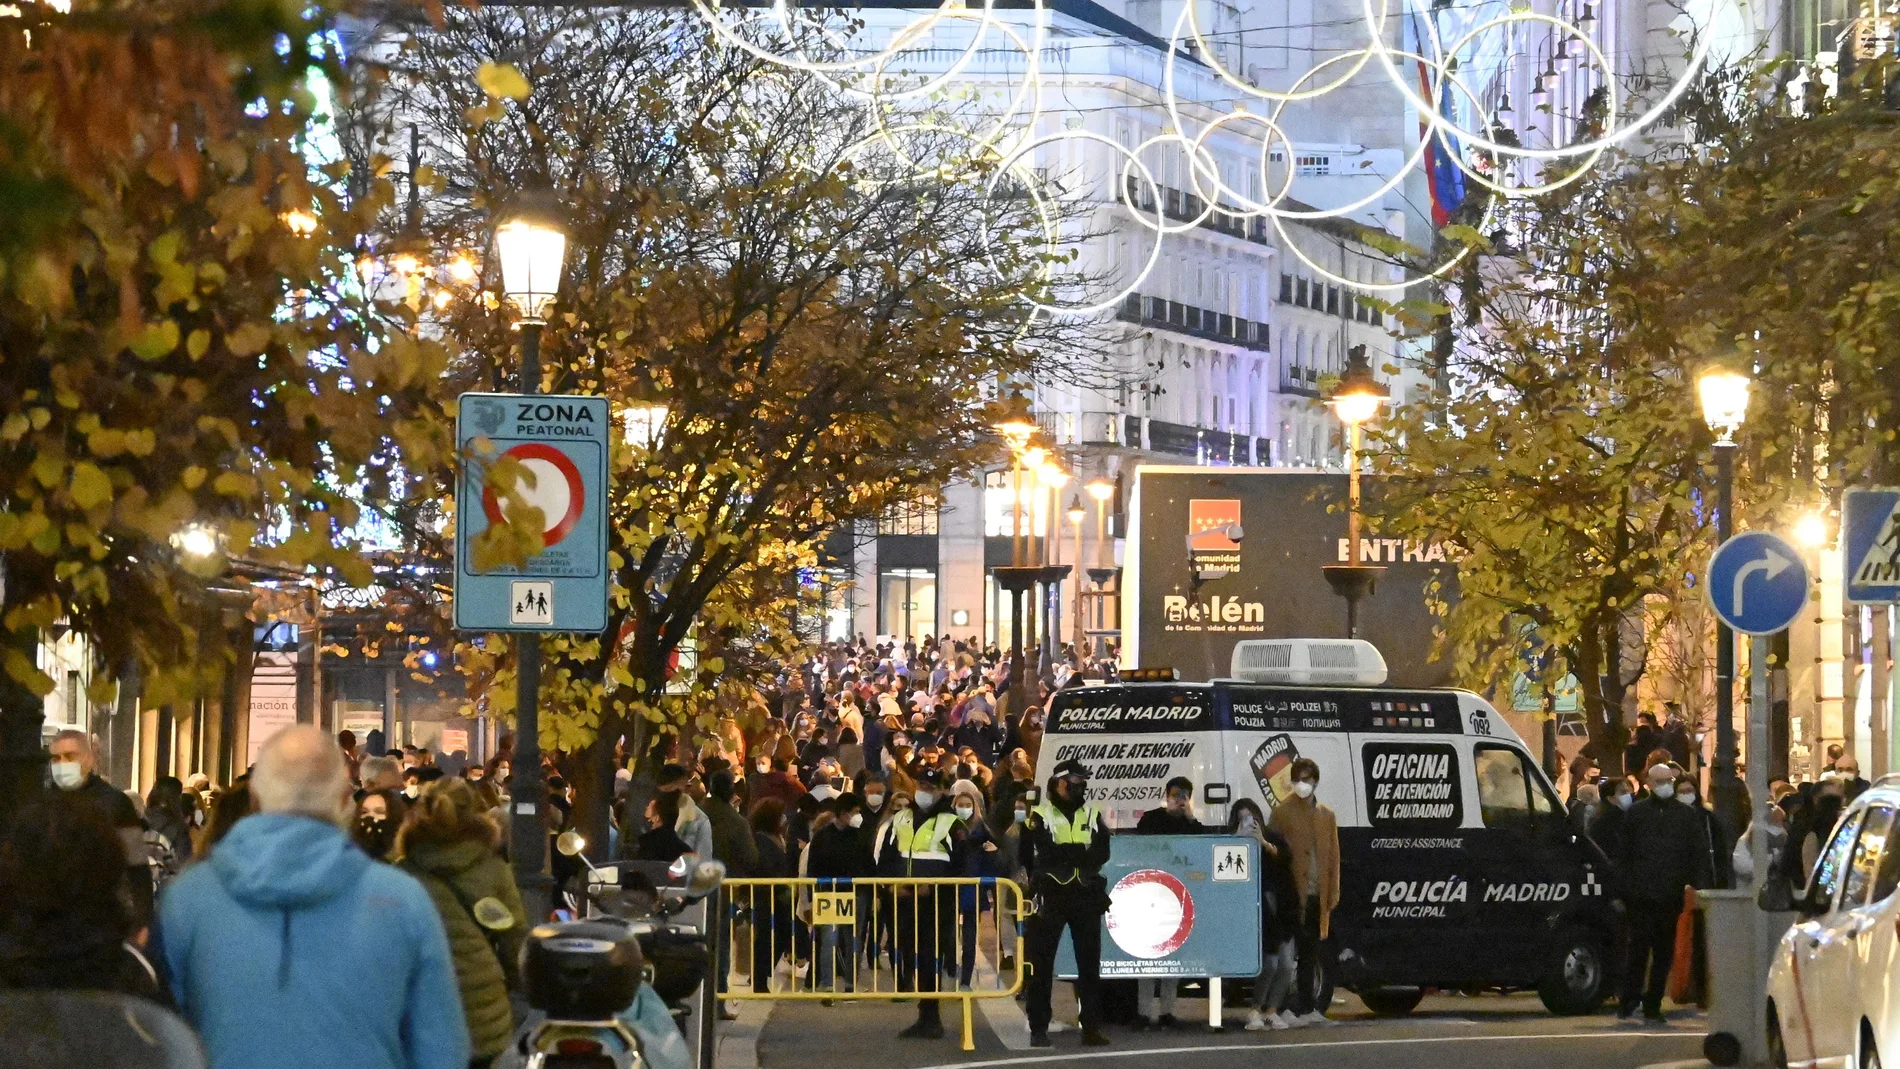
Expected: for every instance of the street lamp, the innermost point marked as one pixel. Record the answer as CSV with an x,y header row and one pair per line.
x,y
1053,478
1811,530
1356,399
198,541
1724,395
533,252
1012,419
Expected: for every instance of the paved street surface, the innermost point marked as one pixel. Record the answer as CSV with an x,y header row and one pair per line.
x,y
1447,1032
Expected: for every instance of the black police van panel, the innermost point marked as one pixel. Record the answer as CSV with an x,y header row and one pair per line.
x,y
1458,869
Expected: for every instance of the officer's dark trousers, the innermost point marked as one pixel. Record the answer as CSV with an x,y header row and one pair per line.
x,y
1076,910
1652,940
918,918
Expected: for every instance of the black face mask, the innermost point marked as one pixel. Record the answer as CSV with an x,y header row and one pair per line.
x,y
374,835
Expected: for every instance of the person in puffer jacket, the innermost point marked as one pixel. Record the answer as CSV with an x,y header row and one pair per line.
x,y
288,947
449,844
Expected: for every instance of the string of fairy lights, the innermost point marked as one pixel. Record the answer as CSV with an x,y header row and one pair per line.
x,y
1010,137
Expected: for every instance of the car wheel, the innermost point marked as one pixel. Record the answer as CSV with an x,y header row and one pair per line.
x,y
1777,1046
1573,982
1392,1001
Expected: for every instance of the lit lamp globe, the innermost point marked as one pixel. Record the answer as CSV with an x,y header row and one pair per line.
x,y
532,251
1724,395
1100,489
1052,475
1012,419
1076,512
1359,394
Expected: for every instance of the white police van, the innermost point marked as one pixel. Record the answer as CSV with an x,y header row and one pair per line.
x,y
1458,869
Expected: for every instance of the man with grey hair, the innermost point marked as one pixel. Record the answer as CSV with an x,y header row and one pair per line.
x,y
289,947
380,774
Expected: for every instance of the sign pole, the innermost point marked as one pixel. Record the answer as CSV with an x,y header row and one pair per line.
x,y
1759,702
528,831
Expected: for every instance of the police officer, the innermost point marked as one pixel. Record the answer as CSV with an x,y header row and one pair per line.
x,y
1064,846
922,842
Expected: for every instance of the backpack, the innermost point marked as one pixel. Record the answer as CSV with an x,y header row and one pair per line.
x,y
160,856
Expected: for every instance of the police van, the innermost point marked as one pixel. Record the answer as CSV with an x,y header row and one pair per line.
x,y
1458,869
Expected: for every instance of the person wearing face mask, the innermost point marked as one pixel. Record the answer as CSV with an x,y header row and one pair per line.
x,y
1606,828
1174,817
70,764
1586,801
1064,846
1665,850
979,860
377,820
922,841
1312,835
839,853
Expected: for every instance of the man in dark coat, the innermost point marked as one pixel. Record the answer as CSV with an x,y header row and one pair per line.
x,y
1642,741
1665,849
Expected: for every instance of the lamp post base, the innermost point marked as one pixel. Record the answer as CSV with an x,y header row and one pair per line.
x,y
1353,582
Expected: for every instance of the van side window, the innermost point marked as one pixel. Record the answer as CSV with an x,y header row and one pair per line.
x,y
1828,870
1504,794
1868,850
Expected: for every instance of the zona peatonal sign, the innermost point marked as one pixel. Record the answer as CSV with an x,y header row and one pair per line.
x,y
562,441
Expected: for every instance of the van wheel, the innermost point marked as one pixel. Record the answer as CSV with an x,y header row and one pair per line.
x,y
1573,983
1392,1001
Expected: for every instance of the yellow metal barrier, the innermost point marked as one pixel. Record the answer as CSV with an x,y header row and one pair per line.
x,y
922,929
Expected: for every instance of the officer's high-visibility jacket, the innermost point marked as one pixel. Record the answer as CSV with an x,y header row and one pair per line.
x,y
919,847
1064,843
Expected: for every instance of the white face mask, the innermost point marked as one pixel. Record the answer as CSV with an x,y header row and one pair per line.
x,y
1686,798
414,790
857,820
1664,791
1248,825
1624,801
1304,788
874,800
1022,815
67,775
965,812
763,767
926,799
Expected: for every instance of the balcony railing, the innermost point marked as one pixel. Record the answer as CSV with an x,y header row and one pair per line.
x,y
1199,322
1182,207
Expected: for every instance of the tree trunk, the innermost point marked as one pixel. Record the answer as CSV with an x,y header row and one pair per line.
x,y
594,790
1603,712
22,713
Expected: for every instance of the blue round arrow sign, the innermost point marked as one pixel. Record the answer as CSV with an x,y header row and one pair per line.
x,y
1758,583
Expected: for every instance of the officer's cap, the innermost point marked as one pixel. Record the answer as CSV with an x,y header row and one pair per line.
x,y
1072,769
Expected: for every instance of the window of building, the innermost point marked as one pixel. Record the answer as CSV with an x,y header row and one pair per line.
x,y
910,518
1332,300
1286,288
1299,292
907,603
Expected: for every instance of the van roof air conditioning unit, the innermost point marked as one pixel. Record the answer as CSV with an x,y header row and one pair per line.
x,y
1337,661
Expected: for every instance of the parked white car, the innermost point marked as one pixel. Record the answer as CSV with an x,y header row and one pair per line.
x,y
1834,986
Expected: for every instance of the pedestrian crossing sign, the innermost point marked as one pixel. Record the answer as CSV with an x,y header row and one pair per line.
x,y
834,907
1870,544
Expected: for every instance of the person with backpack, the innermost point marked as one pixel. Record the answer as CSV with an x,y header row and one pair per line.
x,y
450,846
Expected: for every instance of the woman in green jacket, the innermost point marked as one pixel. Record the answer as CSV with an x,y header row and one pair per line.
x,y
449,844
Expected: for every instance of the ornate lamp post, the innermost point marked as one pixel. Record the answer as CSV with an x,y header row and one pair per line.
x,y
1724,395
533,251
1355,400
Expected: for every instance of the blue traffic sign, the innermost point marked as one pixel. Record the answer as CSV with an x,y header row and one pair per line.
x,y
1758,583
1870,544
562,441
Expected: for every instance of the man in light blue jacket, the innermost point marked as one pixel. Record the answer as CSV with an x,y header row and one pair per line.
x,y
288,947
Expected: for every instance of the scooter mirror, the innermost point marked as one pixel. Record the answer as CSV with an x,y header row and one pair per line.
x,y
570,843
706,878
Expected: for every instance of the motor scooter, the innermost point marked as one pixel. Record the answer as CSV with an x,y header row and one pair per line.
x,y
615,984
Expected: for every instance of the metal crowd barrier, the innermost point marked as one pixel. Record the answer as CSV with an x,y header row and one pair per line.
x,y
876,939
